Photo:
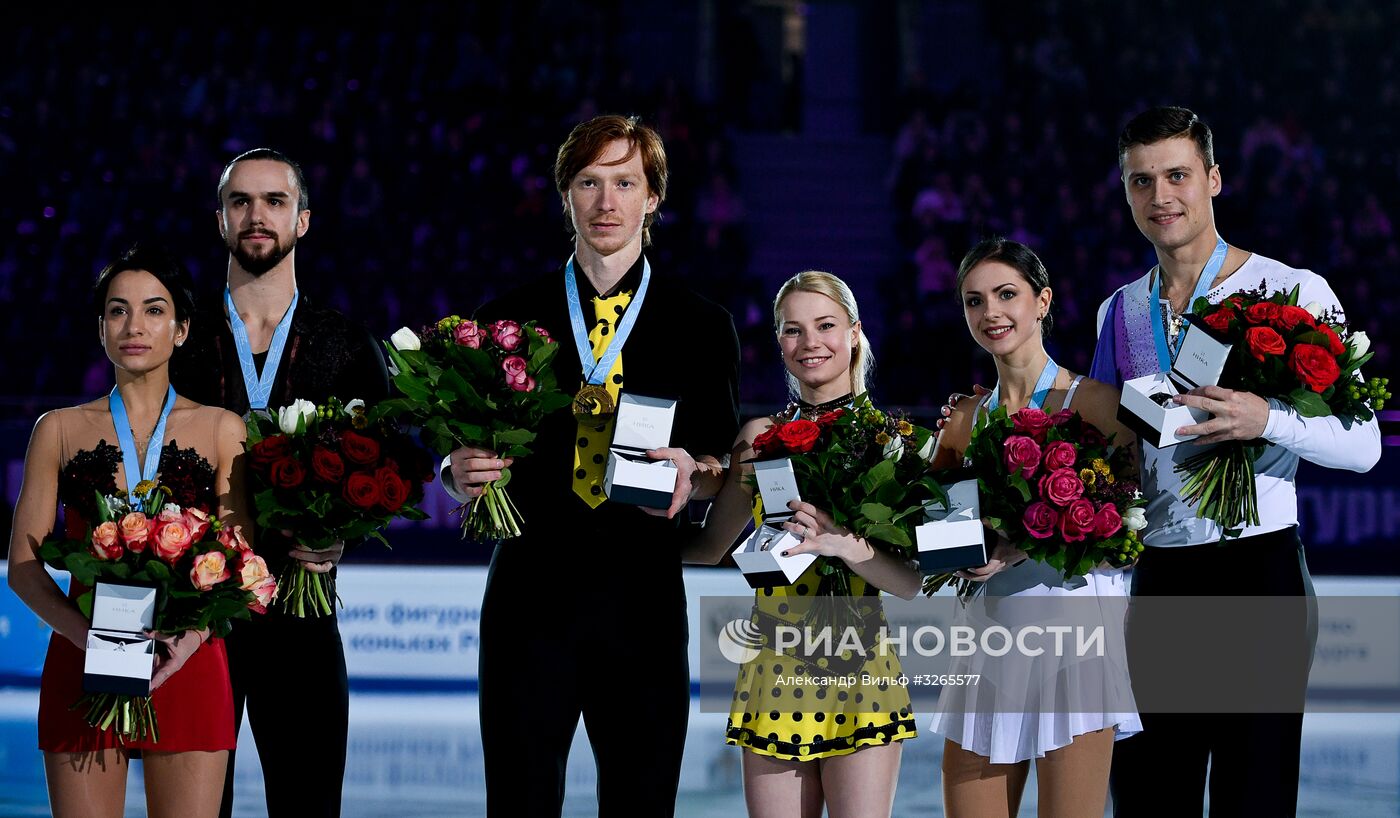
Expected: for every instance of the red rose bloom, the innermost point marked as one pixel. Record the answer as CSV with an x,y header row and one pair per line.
x,y
1314,366
393,491
1219,320
1290,317
1265,312
1031,422
1107,521
358,448
1040,519
268,451
767,441
287,473
799,435
1062,487
828,419
327,465
361,490
1264,341
1334,343
1059,455
1077,520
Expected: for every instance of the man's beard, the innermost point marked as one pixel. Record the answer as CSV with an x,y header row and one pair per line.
x,y
259,264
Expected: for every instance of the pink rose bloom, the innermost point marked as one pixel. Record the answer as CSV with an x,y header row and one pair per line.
x,y
104,542
233,538
1107,521
197,521
527,385
1059,418
507,335
1060,455
1022,454
263,594
171,541
209,570
135,530
468,334
252,570
1077,520
544,335
517,377
1040,520
169,514
1061,487
1031,422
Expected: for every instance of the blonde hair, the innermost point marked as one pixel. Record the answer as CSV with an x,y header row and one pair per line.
x,y
824,283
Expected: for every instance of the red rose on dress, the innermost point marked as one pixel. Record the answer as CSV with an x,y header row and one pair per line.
x,y
1107,521
1077,520
1060,455
1290,317
327,465
1334,343
1062,487
1031,422
393,491
1264,341
1265,312
268,451
287,473
1219,320
799,435
1021,454
361,490
358,448
1040,519
1314,366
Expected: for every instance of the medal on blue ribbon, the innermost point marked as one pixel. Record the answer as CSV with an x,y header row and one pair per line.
x,y
259,388
1166,352
1043,384
592,403
136,471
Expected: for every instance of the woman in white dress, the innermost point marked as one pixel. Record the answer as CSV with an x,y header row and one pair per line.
x,y
1061,711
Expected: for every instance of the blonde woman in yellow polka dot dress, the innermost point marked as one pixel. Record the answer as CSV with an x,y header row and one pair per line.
x,y
817,730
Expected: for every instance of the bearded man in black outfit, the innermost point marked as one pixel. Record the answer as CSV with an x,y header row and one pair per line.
x,y
272,346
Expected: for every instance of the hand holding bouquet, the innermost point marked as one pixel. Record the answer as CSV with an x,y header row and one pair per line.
x,y
330,474
1305,357
868,469
484,385
1057,489
205,573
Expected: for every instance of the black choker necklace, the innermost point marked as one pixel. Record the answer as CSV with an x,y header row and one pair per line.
x,y
820,408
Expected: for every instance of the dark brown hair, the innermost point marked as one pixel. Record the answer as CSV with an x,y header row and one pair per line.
x,y
1166,122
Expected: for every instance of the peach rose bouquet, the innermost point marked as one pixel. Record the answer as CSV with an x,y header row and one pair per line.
x,y
205,573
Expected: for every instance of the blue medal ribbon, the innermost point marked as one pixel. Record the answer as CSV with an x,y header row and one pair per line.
x,y
135,471
259,388
596,371
1166,354
1048,373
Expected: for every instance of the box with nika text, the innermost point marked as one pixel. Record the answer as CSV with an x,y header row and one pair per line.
x,y
1146,406
120,657
952,538
632,478
760,556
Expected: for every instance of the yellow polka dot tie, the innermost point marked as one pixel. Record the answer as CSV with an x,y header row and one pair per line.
x,y
591,446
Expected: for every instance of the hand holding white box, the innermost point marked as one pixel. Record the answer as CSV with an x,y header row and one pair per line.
x,y
760,556
1146,406
632,478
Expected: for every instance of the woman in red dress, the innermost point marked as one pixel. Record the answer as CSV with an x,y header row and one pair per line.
x,y
144,303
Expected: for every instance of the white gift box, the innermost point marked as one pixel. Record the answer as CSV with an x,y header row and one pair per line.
x,y
760,556
632,478
119,658
953,538
1200,363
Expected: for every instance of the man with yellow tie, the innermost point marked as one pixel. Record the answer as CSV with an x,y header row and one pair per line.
x,y
584,613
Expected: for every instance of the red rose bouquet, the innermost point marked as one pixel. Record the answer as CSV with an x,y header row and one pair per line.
x,y
1305,357
484,385
205,574
1057,489
868,469
331,473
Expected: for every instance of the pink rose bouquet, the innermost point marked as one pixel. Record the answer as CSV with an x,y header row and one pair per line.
x,y
469,383
1057,488
198,565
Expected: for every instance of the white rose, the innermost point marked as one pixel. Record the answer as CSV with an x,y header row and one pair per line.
x,y
1135,519
1359,344
1314,309
404,338
926,451
353,405
291,419
895,448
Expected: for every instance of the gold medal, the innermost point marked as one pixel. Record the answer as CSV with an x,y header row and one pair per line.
x,y
592,404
